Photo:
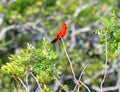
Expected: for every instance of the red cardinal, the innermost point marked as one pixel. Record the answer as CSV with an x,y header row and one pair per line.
x,y
61,33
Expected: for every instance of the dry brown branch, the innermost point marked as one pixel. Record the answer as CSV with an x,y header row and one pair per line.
x,y
32,25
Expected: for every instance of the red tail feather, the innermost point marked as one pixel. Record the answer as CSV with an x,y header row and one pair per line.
x,y
54,41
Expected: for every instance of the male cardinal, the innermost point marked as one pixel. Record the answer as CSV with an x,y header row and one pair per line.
x,y
61,33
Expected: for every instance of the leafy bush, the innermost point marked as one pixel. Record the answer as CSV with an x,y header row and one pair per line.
x,y
39,61
111,32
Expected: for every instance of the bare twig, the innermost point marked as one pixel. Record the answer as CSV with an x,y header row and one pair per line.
x,y
4,30
112,88
71,67
79,9
88,28
106,89
66,90
99,73
27,80
23,84
36,81
105,73
83,71
76,81
85,86
81,81
22,27
73,40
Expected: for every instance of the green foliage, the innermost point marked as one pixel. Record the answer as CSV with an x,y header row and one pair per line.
x,y
111,32
52,13
39,61
18,5
20,10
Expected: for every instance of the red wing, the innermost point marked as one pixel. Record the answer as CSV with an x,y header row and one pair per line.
x,y
59,34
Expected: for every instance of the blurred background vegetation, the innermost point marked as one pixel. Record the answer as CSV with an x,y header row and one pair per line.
x,y
28,21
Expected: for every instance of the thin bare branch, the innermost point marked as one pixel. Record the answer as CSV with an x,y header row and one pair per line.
x,y
79,9
71,67
39,87
105,73
85,86
32,25
66,90
107,89
27,80
23,84
80,79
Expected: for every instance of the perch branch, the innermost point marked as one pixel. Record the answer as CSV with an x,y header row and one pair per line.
x,y
70,63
